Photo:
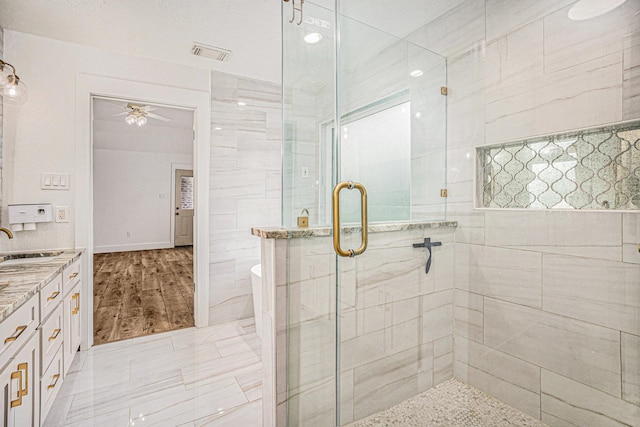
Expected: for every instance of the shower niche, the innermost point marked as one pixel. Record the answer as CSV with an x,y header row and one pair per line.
x,y
591,169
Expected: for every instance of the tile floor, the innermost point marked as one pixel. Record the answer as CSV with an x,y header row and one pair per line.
x,y
451,403
191,377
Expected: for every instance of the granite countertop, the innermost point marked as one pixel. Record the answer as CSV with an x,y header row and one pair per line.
x,y
19,282
295,233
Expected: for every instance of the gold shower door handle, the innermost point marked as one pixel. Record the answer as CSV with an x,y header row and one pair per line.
x,y
336,218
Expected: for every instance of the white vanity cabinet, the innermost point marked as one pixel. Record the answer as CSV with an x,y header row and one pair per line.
x,y
20,377
38,342
71,326
51,331
60,332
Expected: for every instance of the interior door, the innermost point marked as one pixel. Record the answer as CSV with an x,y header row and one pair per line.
x,y
183,203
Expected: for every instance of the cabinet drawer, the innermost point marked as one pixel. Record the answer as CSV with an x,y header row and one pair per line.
x,y
16,329
51,336
50,384
50,296
71,275
20,382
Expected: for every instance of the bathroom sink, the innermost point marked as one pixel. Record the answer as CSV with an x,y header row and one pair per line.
x,y
28,258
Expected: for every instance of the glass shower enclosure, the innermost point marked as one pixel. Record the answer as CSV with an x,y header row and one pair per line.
x,y
364,109
531,117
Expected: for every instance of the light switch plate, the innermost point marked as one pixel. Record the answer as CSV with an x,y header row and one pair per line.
x,y
54,181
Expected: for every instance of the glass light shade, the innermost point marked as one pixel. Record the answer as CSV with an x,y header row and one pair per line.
x,y
14,91
141,121
130,119
5,72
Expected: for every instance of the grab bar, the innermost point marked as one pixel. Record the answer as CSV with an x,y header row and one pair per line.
x,y
336,219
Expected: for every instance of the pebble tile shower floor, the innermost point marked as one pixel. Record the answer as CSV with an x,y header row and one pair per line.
x,y
451,404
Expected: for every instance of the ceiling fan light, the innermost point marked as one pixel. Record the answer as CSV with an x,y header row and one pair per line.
x,y
131,119
141,121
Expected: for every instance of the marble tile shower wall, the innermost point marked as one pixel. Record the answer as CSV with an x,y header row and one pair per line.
x,y
396,325
547,304
367,75
245,186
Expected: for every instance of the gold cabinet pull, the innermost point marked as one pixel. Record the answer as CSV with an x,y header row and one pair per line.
x,y
56,377
53,296
24,367
76,297
17,375
55,334
74,275
336,218
16,334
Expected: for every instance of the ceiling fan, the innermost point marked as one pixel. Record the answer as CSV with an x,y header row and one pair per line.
x,y
138,114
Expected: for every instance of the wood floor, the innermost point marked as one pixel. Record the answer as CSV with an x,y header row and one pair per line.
x,y
142,292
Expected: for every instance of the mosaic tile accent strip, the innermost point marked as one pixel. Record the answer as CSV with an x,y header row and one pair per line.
x,y
589,169
451,403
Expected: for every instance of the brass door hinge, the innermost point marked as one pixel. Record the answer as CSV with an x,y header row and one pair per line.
x,y
443,192
443,90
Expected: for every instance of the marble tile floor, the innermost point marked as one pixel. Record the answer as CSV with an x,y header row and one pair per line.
x,y
450,404
191,377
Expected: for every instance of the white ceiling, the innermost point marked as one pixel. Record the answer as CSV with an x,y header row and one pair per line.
x,y
111,132
110,110
161,29
166,29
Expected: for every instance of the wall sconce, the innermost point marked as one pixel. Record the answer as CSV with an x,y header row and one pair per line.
x,y
13,90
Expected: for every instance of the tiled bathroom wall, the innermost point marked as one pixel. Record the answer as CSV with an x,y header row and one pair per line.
x,y
547,303
245,186
396,329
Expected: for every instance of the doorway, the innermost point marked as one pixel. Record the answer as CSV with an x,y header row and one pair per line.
x,y
143,261
183,203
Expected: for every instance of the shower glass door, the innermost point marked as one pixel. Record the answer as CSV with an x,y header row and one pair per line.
x,y
363,104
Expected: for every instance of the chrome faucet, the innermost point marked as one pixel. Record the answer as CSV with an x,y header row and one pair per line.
x,y
7,232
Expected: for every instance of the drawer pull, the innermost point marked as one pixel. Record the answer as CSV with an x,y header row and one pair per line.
x,y
17,375
76,297
74,275
53,296
24,391
56,377
16,334
55,334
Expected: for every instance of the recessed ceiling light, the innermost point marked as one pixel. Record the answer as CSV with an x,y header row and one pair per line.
x,y
312,38
587,9
416,73
217,128
242,104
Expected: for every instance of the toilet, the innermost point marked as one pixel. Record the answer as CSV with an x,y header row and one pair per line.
x,y
256,287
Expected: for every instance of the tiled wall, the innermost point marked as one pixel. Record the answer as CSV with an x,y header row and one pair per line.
x,y
374,65
245,186
547,304
396,327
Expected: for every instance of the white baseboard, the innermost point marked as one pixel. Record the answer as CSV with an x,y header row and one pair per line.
x,y
133,247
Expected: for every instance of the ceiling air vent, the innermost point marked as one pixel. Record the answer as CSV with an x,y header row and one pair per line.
x,y
212,52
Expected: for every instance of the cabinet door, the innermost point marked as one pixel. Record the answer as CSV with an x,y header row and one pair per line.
x,y
71,326
21,388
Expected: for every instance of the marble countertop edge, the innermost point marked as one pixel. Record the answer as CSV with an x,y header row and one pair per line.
x,y
295,233
26,280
